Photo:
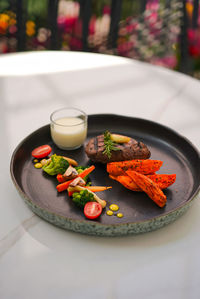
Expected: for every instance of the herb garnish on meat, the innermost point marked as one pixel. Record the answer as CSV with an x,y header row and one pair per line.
x,y
110,145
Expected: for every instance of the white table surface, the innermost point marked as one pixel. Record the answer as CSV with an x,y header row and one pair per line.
x,y
39,260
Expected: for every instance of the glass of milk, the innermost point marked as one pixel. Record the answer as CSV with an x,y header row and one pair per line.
x,y
68,128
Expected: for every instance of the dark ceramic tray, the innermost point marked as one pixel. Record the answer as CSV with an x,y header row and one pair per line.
x,y
141,214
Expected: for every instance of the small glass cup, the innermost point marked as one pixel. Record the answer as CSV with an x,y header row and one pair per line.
x,y
68,128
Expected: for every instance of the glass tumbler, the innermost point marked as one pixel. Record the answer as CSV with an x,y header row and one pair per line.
x,y
68,128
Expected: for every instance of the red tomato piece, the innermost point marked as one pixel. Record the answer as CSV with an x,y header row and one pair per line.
x,y
41,151
92,210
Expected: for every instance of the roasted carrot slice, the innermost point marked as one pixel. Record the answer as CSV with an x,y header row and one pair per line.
x,y
63,186
149,187
127,182
142,166
93,189
162,180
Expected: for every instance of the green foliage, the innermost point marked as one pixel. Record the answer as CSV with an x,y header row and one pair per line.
x,y
130,8
82,197
4,4
56,165
97,6
109,145
37,8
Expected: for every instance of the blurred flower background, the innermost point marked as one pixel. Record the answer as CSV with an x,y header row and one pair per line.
x,y
152,35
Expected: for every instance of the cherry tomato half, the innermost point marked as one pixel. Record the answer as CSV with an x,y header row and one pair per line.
x,y
92,210
41,151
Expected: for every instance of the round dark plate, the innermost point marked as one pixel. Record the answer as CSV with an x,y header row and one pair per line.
x,y
141,214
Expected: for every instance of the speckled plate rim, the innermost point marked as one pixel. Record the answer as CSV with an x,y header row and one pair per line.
x,y
99,229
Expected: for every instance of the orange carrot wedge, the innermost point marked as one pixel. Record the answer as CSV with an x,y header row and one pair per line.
x,y
63,186
142,166
162,180
149,187
127,182
93,189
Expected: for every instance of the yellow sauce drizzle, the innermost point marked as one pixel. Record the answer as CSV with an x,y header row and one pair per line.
x,y
114,207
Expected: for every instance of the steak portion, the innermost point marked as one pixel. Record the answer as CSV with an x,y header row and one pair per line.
x,y
127,151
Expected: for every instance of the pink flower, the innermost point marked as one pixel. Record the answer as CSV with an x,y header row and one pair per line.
x,y
194,51
194,42
125,48
61,21
167,61
191,34
153,17
75,44
78,28
92,25
106,10
152,5
131,27
121,48
70,21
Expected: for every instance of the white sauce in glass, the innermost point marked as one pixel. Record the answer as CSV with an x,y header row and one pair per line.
x,y
69,132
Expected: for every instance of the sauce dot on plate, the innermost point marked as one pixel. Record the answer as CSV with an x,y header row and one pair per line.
x,y
109,213
114,207
38,165
120,215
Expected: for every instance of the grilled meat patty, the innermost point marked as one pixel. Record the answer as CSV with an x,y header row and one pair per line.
x,y
127,151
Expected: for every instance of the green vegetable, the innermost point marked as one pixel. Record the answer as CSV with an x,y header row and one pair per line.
x,y
80,169
57,164
110,145
82,197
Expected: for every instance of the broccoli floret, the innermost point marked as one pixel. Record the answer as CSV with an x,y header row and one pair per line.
x,y
80,169
57,164
82,197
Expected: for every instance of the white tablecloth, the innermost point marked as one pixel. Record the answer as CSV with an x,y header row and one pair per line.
x,y
39,260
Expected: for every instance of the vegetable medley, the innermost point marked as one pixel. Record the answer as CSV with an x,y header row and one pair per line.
x,y
72,178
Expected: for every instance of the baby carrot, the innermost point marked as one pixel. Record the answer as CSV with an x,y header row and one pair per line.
x,y
93,189
63,186
60,178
